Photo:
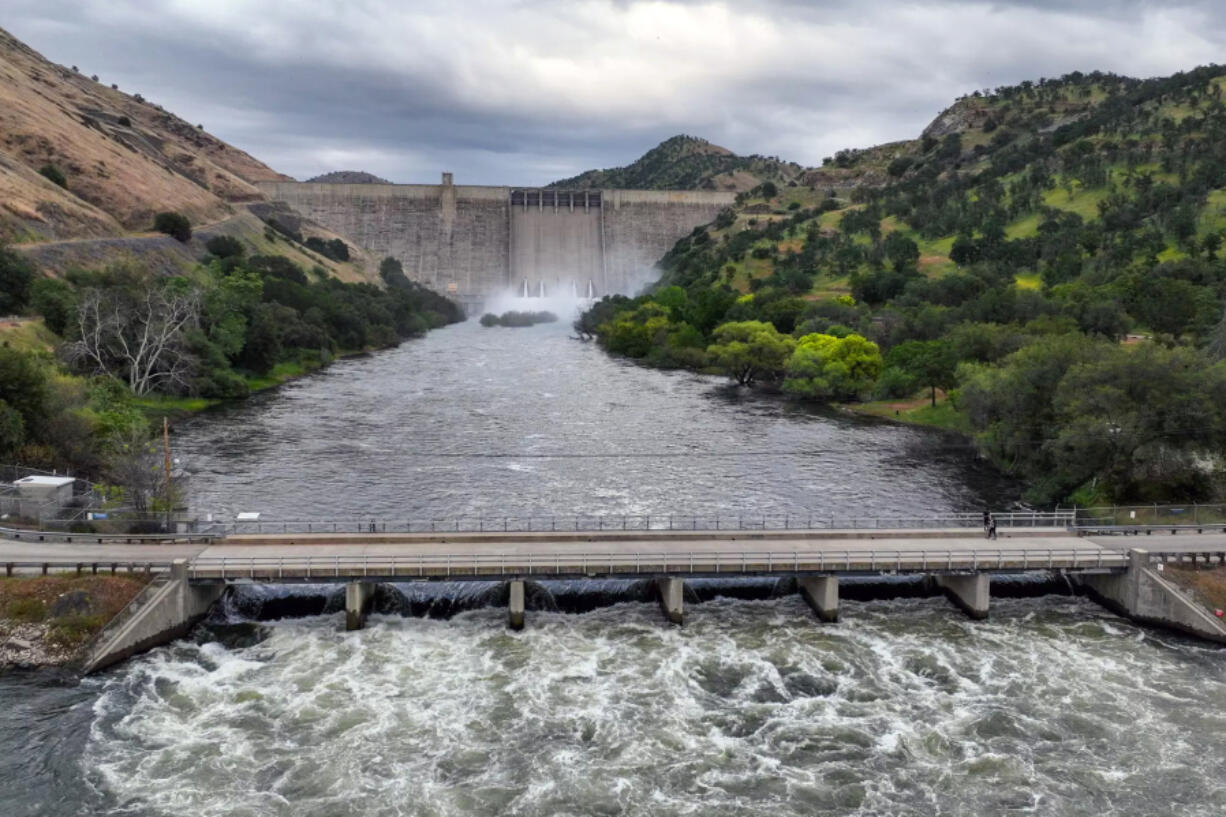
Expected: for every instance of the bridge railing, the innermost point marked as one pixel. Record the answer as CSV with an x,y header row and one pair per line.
x,y
1191,514
593,523
490,565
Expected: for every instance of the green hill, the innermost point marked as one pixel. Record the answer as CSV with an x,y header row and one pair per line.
x,y
689,163
1055,249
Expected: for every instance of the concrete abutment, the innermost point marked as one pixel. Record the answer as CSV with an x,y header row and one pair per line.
x,y
1144,595
164,611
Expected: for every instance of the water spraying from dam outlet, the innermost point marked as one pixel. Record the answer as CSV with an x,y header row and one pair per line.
x,y
562,301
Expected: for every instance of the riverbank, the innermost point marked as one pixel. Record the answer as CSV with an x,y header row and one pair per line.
x,y
45,621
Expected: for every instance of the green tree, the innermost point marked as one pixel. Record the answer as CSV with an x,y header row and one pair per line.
x,y
56,300
16,274
903,253
749,351
931,362
826,367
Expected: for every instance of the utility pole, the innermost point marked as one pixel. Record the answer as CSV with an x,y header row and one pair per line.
x,y
169,484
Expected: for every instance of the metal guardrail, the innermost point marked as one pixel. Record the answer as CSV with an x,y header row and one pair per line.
x,y
32,535
590,523
481,565
81,567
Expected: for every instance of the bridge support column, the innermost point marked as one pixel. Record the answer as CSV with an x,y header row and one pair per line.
x,y
672,599
515,604
822,594
358,596
969,591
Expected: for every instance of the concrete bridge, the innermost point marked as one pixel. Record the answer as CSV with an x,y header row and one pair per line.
x,y
472,242
191,575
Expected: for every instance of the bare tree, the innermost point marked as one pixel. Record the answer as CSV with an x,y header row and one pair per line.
x,y
137,335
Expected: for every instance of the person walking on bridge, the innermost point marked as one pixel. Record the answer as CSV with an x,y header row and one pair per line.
x,y
991,526
987,520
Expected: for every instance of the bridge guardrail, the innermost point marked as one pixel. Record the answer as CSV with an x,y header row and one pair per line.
x,y
40,535
592,523
482,565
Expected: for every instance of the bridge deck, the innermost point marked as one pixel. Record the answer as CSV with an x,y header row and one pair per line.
x,y
331,557
654,553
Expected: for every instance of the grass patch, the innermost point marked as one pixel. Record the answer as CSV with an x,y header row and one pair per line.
x,y
28,335
915,411
1030,280
1208,586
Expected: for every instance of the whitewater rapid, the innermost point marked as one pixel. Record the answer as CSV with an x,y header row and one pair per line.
x,y
1053,707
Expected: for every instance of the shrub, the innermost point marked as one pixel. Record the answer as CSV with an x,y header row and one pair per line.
x,y
27,610
489,319
175,225
123,120
335,249
225,246
54,175
69,631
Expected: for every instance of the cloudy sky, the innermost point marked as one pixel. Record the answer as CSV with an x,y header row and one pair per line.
x,y
526,91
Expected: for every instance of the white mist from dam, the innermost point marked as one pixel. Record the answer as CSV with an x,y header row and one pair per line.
x,y
904,708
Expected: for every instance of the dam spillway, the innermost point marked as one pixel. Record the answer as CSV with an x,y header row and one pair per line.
x,y
473,242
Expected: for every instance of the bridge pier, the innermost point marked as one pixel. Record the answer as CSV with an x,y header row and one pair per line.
x,y
672,599
358,596
822,594
515,604
969,591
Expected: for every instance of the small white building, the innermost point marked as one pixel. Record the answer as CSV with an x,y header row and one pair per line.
x,y
38,491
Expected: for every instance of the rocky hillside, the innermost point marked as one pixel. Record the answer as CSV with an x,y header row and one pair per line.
x,y
348,177
81,159
689,163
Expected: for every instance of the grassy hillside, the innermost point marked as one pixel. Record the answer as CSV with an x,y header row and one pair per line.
x,y
1049,254
120,159
689,163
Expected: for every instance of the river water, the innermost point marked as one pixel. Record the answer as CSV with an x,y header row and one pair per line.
x,y
480,422
1053,707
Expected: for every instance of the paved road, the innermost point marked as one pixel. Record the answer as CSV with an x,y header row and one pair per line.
x,y
646,549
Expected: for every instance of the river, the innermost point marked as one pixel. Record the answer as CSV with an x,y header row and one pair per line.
x,y
1053,707
528,422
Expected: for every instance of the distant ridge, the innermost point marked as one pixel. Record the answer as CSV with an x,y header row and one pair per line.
x,y
348,177
689,163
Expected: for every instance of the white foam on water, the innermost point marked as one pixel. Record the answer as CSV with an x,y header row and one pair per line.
x,y
904,708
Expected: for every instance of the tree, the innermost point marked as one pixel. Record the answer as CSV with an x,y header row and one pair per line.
x,y
749,350
56,301
16,273
903,253
826,367
175,225
137,333
930,362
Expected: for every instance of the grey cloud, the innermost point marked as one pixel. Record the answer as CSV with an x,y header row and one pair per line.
x,y
507,92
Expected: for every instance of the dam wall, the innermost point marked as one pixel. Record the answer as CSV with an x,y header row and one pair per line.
x,y
472,243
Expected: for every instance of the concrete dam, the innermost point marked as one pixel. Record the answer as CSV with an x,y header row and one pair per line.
x,y
473,243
